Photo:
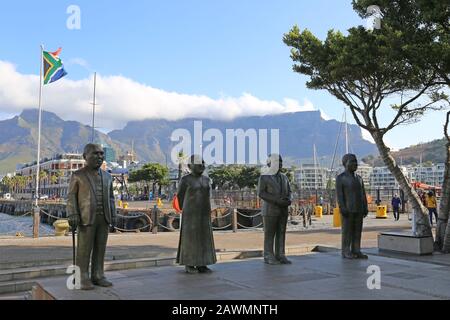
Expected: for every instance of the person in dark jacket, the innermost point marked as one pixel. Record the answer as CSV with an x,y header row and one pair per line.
x,y
396,203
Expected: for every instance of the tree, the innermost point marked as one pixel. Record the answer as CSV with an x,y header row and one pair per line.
x,y
224,176
443,227
8,183
151,172
367,70
248,177
425,25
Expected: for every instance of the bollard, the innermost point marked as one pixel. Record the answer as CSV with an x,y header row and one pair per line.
x,y
36,218
319,211
337,218
234,220
155,220
382,212
61,227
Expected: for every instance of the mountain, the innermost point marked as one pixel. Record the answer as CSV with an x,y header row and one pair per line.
x,y
18,138
433,151
151,138
298,132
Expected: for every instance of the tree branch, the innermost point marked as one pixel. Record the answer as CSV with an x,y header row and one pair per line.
x,y
446,133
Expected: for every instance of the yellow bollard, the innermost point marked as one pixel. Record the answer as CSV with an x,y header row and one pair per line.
x,y
319,211
336,218
61,227
159,203
120,203
125,205
382,212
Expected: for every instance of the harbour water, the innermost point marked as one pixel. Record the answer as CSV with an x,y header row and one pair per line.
x,y
10,226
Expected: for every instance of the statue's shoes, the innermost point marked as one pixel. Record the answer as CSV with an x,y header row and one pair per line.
x,y
102,283
271,261
360,255
191,270
284,260
87,285
204,269
348,256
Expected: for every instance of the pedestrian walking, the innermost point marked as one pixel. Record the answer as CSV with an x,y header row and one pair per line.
x,y
431,205
396,203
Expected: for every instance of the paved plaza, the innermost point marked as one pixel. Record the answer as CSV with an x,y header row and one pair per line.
x,y
311,276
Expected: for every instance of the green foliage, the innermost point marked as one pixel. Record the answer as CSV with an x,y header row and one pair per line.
x,y
151,172
365,68
234,175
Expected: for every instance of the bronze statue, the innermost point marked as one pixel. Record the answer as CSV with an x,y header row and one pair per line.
x,y
196,246
352,201
275,191
91,209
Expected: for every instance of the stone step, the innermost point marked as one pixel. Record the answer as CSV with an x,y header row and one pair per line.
x,y
23,279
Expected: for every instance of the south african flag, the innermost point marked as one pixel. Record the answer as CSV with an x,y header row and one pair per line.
x,y
53,67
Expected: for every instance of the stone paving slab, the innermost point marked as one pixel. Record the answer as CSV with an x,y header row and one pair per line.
x,y
313,276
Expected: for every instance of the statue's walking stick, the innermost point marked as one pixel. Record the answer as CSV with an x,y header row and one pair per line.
x,y
73,244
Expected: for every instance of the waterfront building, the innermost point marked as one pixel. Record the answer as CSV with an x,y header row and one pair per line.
x,y
56,173
110,154
311,177
432,175
382,178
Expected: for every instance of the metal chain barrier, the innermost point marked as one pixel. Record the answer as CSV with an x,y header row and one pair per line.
x,y
167,228
222,217
132,230
131,217
48,214
254,228
246,216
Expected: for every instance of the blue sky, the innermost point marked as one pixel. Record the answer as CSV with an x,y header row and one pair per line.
x,y
214,49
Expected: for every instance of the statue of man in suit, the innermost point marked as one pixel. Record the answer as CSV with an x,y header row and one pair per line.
x,y
275,191
352,201
91,209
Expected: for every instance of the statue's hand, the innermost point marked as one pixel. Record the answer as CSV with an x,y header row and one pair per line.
x,y
284,202
344,213
74,221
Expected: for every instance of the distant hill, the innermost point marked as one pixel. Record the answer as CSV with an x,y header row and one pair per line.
x,y
18,138
433,151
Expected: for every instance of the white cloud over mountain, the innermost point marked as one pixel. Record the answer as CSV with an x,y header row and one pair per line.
x,y
121,100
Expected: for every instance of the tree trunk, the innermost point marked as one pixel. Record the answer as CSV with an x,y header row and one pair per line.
x,y
422,227
443,228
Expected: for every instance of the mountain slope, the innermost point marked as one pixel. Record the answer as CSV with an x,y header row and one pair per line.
x,y
433,151
18,138
298,132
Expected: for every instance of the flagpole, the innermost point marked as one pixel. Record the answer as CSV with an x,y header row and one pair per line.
x,y
37,210
93,109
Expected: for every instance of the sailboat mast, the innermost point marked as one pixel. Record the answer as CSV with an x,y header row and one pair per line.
x,y
315,166
346,132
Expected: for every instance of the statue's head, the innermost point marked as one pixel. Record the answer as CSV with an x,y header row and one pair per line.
x,y
94,156
350,162
275,163
196,165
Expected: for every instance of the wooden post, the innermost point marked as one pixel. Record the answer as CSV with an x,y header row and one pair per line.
x,y
155,220
36,221
234,220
